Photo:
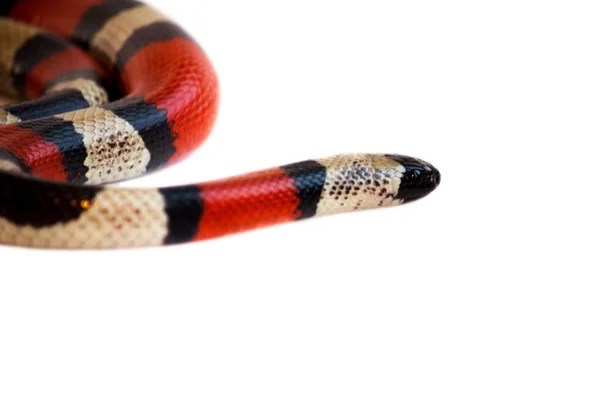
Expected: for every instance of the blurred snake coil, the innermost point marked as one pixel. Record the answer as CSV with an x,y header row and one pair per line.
x,y
111,89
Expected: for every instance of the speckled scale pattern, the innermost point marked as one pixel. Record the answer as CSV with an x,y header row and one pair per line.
x,y
360,182
77,132
115,150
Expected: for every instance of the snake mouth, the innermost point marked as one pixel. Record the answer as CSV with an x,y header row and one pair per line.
x,y
420,178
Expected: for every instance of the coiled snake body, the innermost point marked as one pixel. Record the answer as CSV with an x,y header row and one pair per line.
x,y
115,90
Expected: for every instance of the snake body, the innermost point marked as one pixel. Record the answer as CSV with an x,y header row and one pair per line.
x,y
112,89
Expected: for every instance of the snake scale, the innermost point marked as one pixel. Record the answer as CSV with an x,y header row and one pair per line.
x,y
111,89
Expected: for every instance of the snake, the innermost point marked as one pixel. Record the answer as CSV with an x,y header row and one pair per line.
x,y
103,91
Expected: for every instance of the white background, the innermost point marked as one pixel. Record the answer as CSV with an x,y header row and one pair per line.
x,y
487,289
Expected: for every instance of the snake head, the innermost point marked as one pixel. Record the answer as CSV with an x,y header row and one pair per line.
x,y
418,180
364,181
